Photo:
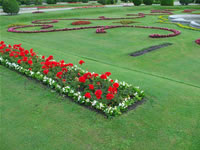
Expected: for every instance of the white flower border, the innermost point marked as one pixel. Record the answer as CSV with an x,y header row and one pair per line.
x,y
77,96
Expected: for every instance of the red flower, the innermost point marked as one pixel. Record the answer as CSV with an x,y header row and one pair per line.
x,y
109,96
31,50
19,61
91,86
87,95
25,59
81,62
46,71
59,74
26,52
43,57
64,80
116,85
103,76
111,81
11,54
30,69
98,94
82,79
30,62
95,75
16,56
108,73
64,69
98,83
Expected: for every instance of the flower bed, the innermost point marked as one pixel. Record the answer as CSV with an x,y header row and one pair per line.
x,y
100,30
98,91
37,12
198,41
81,22
162,19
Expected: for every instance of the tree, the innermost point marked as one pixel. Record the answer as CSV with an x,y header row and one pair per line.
x,y
10,7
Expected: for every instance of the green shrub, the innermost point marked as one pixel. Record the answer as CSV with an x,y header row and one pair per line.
x,y
156,2
51,1
10,7
84,1
186,2
167,2
106,2
148,2
137,2
38,2
1,1
197,1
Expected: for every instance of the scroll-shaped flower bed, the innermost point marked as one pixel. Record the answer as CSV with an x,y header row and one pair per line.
x,y
98,91
100,30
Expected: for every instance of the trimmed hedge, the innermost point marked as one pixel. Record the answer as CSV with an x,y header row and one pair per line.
x,y
51,1
137,2
148,2
107,2
167,3
10,7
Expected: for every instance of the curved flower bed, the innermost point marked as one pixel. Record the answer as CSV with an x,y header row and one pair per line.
x,y
153,13
81,22
175,32
98,91
198,41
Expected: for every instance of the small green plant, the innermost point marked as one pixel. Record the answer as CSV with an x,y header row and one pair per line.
x,y
137,2
10,7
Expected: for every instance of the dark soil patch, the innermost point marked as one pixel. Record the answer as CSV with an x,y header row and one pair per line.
x,y
147,50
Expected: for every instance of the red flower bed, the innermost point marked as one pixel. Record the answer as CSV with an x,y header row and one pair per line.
x,y
81,22
92,89
198,41
189,10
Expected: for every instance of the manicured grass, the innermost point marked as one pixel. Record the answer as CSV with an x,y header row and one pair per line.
x,y
35,118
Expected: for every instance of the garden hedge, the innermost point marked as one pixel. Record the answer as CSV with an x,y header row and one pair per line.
x,y
167,3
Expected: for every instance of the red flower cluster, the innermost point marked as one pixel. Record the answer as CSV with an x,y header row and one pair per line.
x,y
81,22
98,94
198,41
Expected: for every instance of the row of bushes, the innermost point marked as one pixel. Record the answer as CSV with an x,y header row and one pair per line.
x,y
186,2
150,2
107,2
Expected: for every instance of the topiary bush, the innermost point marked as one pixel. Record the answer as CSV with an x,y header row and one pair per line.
x,y
137,2
10,7
148,2
167,3
51,1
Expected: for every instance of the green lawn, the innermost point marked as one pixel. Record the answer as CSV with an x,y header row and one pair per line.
x,y
33,117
